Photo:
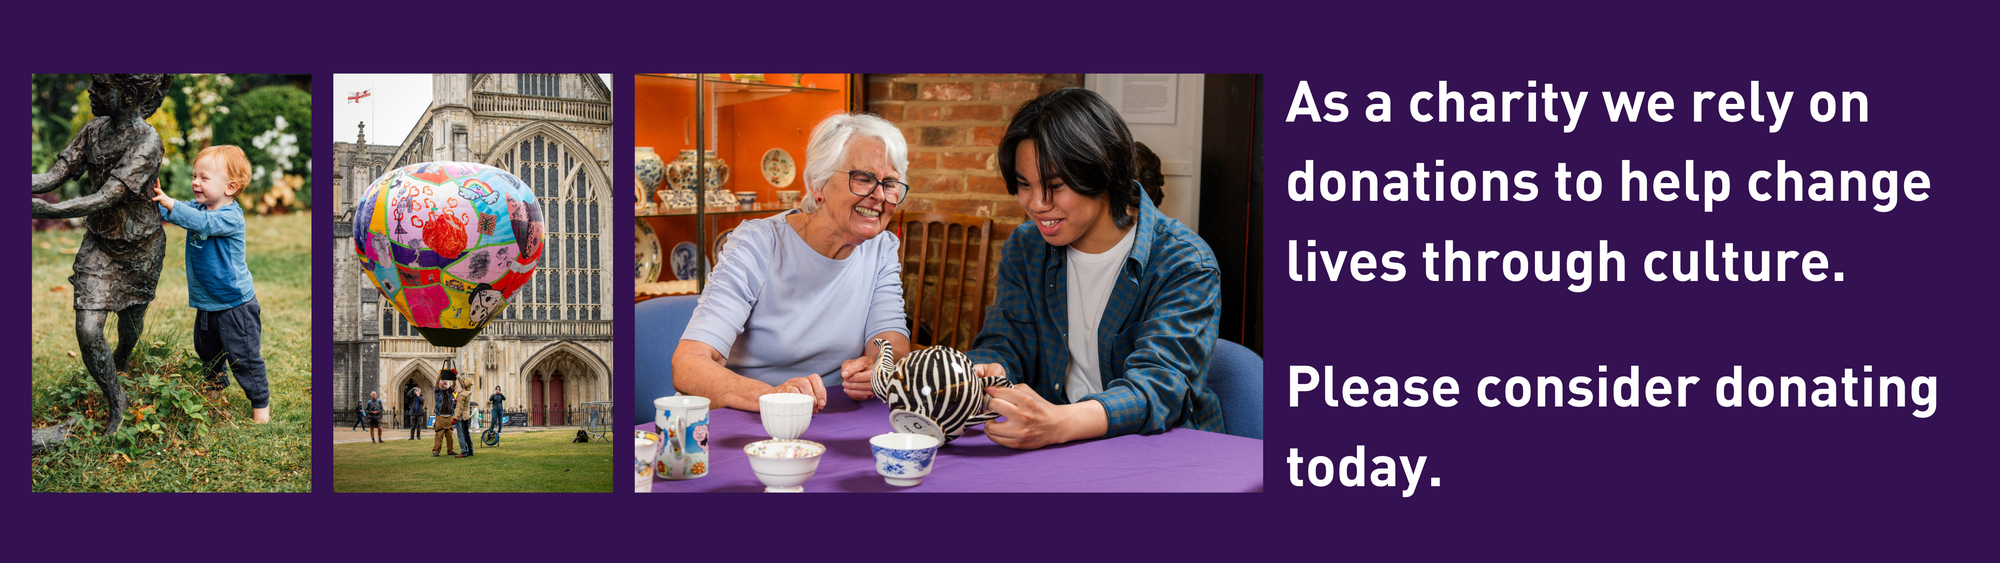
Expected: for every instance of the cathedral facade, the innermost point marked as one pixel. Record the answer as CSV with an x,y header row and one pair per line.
x,y
550,351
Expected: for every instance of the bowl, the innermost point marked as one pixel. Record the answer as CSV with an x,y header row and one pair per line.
x,y
903,459
784,465
746,198
788,197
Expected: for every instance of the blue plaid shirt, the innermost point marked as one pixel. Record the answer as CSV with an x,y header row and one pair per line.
x,y
1152,345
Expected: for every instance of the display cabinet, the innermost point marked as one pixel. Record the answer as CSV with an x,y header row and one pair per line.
x,y
714,150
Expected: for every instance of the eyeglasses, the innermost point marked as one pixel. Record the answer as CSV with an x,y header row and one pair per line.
x,y
863,183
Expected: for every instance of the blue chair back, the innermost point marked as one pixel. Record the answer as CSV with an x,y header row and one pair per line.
x,y
1236,374
657,325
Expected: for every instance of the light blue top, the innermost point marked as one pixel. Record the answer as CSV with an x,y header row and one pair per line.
x,y
777,309
218,275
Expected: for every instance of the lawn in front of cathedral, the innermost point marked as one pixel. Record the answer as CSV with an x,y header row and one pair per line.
x,y
530,461
173,438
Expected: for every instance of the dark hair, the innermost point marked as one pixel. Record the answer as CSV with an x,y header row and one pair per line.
x,y
1080,139
1150,177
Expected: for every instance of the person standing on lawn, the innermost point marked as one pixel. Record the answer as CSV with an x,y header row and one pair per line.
x,y
442,408
414,417
374,411
462,414
497,402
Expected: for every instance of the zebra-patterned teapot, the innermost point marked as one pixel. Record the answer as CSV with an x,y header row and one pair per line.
x,y
933,391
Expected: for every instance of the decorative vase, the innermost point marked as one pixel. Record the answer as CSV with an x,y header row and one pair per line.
x,y
650,168
718,172
681,172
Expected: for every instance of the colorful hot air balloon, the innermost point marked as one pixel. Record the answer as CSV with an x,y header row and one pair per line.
x,y
447,243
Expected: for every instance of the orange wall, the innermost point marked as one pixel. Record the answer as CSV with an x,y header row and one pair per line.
x,y
664,121
664,111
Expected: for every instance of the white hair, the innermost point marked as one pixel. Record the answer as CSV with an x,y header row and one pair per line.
x,y
827,150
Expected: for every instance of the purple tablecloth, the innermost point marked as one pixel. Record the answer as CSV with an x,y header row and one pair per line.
x,y
1178,460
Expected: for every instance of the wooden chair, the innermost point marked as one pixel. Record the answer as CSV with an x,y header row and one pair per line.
x,y
944,276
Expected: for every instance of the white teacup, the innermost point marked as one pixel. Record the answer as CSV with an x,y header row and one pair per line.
x,y
785,415
903,459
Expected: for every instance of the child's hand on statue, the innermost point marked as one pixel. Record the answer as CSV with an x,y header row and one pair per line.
x,y
161,197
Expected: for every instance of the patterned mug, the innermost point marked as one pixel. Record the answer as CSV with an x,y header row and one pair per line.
x,y
683,426
644,452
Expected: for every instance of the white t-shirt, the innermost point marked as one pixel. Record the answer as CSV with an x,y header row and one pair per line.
x,y
1090,279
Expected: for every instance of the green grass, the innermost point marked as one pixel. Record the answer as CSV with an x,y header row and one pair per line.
x,y
224,453
523,462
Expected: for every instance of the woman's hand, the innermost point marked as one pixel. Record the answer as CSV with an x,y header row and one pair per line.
x,y
857,378
808,385
161,197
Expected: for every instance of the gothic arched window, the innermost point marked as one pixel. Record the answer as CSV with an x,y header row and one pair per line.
x,y
568,278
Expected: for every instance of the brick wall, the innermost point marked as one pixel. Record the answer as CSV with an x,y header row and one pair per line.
x,y
953,123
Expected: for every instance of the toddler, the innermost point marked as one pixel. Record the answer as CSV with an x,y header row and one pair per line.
x,y
227,318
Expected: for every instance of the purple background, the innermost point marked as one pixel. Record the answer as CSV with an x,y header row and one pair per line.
x,y
1634,481
1591,483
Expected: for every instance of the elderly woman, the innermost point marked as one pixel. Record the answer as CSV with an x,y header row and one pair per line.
x,y
1105,310
801,293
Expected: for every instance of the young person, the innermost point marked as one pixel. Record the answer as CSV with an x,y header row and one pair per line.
x,y
1105,310
227,317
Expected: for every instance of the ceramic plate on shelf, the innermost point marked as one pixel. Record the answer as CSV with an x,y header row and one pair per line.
x,y
646,249
683,260
715,248
777,167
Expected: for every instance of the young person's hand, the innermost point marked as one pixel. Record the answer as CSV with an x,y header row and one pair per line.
x,y
1032,422
161,197
983,371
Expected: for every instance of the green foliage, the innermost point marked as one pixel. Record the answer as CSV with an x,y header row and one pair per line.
x,y
54,98
203,95
273,126
167,406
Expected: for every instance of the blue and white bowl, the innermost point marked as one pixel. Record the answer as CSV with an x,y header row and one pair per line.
x,y
903,459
